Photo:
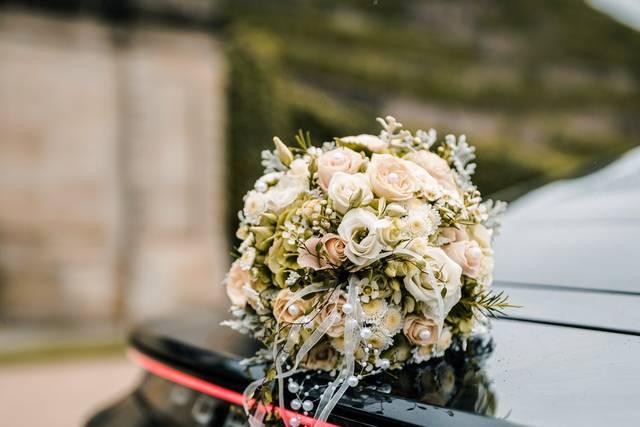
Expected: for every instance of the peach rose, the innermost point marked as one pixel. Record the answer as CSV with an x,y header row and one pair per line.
x,y
338,299
338,160
334,246
392,178
420,330
452,234
236,279
436,166
322,253
467,254
310,257
288,313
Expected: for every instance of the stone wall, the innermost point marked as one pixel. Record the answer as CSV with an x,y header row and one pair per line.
x,y
111,169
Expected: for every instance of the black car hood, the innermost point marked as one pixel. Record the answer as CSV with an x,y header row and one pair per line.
x,y
541,370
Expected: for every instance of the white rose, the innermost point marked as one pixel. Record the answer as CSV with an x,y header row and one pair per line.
x,y
444,273
358,229
370,142
392,178
390,230
348,191
285,192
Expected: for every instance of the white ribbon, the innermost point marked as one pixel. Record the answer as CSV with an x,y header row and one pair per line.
x,y
353,321
280,354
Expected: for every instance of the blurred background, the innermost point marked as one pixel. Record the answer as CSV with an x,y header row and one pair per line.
x,y
129,131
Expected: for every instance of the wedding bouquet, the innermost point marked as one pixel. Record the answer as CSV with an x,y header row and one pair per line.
x,y
359,256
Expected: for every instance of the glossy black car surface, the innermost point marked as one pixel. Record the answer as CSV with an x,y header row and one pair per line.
x,y
546,365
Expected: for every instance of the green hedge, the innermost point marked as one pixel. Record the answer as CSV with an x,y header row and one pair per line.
x,y
255,112
331,66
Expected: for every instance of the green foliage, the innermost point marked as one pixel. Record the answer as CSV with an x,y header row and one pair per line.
x,y
475,301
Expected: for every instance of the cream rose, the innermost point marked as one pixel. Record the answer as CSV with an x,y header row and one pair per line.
x,y
444,274
321,253
392,178
358,230
337,300
370,142
236,280
420,330
285,310
338,160
349,191
436,166
390,231
467,254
